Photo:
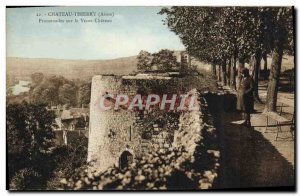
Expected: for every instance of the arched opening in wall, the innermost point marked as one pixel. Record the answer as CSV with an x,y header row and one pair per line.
x,y
126,159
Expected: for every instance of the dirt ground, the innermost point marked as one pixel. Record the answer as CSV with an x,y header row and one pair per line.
x,y
250,156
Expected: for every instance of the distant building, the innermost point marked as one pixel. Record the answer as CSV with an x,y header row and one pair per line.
x,y
183,58
70,121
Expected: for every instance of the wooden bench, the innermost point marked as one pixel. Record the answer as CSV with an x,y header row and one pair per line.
x,y
289,103
280,121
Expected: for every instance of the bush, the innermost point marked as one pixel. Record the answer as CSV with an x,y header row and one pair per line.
x,y
26,179
29,139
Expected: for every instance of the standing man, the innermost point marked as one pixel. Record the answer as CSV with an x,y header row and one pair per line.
x,y
245,100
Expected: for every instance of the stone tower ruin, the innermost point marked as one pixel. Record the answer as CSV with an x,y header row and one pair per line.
x,y
117,137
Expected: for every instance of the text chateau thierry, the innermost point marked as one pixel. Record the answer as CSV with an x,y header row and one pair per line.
x,y
99,14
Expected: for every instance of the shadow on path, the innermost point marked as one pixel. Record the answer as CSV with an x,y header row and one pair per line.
x,y
248,158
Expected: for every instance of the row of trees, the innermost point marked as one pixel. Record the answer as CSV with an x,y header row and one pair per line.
x,y
56,90
230,36
164,60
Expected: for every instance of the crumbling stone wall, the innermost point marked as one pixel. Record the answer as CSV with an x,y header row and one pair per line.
x,y
189,132
199,139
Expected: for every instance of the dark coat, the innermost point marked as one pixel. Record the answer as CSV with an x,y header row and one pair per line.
x,y
245,100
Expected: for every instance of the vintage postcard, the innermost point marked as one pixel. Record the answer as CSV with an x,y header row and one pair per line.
x,y
184,98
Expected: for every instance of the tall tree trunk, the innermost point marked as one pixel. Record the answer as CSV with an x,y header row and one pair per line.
x,y
224,78
241,65
233,73
214,69
251,65
256,64
265,58
219,73
259,70
274,77
228,67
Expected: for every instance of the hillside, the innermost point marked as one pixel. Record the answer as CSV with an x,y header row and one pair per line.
x,y
24,67
85,69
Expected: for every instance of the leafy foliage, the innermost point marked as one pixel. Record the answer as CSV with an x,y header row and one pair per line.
x,y
37,78
33,160
67,94
84,93
56,90
68,160
144,61
164,60
29,139
214,33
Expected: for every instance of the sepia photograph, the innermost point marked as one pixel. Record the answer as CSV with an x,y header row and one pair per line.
x,y
150,98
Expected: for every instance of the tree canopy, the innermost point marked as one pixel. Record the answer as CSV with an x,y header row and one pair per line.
x,y
56,90
164,60
214,33
224,35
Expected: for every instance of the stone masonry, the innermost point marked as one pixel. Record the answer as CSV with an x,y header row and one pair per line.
x,y
112,133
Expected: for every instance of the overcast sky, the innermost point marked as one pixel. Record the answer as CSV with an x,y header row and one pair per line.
x,y
132,29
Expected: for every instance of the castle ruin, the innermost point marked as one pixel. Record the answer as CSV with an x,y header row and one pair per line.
x,y
116,137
